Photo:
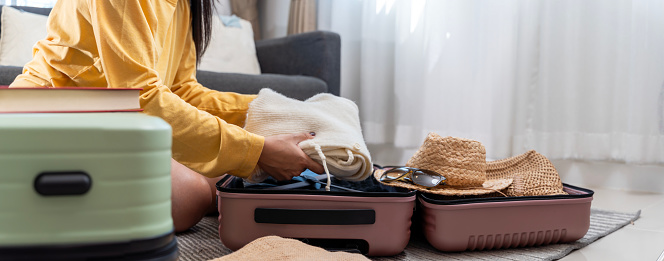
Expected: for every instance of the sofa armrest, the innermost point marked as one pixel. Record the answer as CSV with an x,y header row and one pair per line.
x,y
316,54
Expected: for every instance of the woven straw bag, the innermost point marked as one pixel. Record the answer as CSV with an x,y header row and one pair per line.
x,y
533,175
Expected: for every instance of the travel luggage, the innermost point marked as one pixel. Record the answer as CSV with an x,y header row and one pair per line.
x,y
373,220
78,186
484,223
513,202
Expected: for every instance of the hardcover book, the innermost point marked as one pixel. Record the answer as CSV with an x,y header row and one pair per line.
x,y
68,99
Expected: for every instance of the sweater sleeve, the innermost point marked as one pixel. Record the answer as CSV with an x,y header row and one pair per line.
x,y
230,106
129,38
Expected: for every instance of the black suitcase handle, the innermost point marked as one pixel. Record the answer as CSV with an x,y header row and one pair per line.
x,y
63,183
315,216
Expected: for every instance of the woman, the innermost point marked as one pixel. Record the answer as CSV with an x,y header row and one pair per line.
x,y
155,45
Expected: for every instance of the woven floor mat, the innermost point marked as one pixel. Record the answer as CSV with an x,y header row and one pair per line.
x,y
202,243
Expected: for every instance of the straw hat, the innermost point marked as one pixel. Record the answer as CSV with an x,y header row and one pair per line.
x,y
463,163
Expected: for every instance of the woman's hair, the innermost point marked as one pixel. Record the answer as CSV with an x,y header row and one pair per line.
x,y
201,24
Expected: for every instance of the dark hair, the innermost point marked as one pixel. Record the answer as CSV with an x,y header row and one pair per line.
x,y
201,24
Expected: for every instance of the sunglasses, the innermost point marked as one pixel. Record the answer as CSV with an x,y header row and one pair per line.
x,y
422,177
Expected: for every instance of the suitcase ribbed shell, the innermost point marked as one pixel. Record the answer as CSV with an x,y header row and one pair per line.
x,y
126,156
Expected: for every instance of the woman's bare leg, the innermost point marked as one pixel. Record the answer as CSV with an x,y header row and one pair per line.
x,y
192,196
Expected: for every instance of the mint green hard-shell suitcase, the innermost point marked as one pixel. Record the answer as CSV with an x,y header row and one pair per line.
x,y
80,186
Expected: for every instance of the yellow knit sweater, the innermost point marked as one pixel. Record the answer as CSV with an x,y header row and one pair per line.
x,y
147,44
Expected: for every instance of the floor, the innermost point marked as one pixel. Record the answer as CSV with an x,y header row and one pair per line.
x,y
627,188
644,240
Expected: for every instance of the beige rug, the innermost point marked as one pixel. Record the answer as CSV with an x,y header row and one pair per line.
x,y
202,243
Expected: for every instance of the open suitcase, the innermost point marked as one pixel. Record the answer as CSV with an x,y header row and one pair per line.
x,y
374,220
504,222
81,186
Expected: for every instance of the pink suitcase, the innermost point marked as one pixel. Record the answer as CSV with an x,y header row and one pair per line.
x,y
495,223
371,223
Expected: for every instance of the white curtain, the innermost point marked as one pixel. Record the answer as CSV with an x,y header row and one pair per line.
x,y
571,79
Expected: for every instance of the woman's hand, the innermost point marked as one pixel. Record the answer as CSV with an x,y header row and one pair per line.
x,y
283,159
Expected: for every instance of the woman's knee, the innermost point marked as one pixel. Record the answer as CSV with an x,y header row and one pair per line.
x,y
191,196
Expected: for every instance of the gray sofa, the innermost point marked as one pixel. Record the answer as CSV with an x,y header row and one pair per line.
x,y
298,66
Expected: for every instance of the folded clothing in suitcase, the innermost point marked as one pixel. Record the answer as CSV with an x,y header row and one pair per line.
x,y
373,219
85,186
481,223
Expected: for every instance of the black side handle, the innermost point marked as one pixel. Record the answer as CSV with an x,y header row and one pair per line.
x,y
62,183
315,216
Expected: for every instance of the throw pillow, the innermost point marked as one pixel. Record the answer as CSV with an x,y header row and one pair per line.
x,y
18,34
232,48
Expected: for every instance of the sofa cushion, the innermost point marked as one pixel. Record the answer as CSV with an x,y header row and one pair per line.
x,y
294,86
30,9
232,48
9,73
34,10
19,31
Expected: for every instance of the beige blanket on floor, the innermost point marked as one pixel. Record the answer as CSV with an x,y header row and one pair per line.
x,y
278,249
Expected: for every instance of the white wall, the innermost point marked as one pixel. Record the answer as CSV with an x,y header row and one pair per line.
x,y
613,175
273,15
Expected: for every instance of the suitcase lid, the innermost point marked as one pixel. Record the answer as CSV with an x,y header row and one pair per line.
x,y
82,132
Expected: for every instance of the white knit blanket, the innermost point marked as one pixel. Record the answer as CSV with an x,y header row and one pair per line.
x,y
334,119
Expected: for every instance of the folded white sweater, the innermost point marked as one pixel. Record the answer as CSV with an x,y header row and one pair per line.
x,y
334,119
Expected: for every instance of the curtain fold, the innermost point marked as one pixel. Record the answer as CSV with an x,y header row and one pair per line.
x,y
570,79
302,16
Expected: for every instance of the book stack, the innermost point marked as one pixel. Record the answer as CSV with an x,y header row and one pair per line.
x,y
69,99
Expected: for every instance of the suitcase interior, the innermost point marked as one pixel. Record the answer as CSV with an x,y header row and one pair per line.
x,y
366,188
573,192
